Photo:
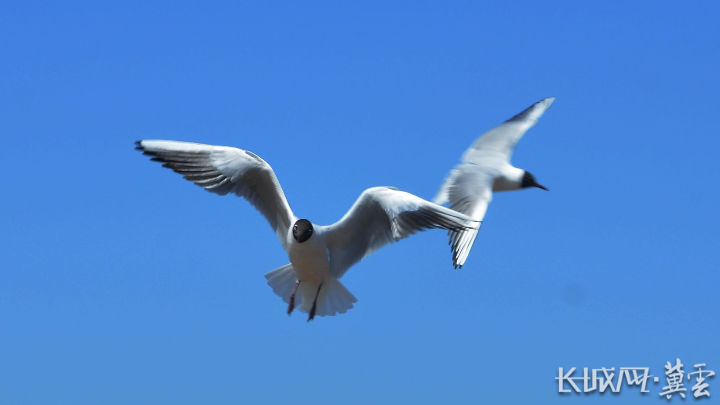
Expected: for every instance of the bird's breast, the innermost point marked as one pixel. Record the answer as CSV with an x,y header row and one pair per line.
x,y
508,178
505,184
310,260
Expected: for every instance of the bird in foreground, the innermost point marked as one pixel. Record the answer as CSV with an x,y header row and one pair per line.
x,y
319,255
485,168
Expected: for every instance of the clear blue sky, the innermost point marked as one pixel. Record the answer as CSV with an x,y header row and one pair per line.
x,y
122,283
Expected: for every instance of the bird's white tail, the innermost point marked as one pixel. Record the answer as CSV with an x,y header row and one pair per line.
x,y
333,299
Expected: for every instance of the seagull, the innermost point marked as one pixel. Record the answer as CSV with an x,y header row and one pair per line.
x,y
485,167
319,255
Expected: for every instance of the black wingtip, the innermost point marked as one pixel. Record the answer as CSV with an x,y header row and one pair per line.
x,y
139,146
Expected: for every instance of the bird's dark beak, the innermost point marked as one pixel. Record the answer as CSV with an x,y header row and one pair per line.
x,y
541,186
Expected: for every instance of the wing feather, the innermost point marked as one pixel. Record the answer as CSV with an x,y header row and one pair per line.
x,y
468,189
223,170
500,141
383,215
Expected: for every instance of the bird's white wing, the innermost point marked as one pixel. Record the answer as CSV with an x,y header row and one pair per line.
x,y
468,188
384,215
500,141
222,170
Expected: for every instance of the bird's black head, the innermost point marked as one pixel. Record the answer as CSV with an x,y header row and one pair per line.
x,y
529,181
302,230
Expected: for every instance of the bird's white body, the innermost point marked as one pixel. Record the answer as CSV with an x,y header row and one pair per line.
x,y
310,259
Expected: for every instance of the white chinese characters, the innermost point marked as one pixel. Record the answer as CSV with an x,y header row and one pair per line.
x,y
674,378
700,388
602,379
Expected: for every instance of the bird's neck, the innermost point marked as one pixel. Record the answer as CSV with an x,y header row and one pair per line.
x,y
511,179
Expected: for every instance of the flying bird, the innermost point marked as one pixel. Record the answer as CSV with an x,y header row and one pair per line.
x,y
319,255
485,167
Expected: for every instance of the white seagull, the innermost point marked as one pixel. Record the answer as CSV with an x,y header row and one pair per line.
x,y
485,168
319,255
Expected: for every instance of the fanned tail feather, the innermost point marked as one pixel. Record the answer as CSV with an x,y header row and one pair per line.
x,y
282,281
333,299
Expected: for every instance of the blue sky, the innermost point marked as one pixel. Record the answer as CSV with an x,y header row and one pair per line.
x,y
122,283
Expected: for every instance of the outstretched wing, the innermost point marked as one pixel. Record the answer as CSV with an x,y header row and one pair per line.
x,y
222,170
384,215
500,141
468,189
